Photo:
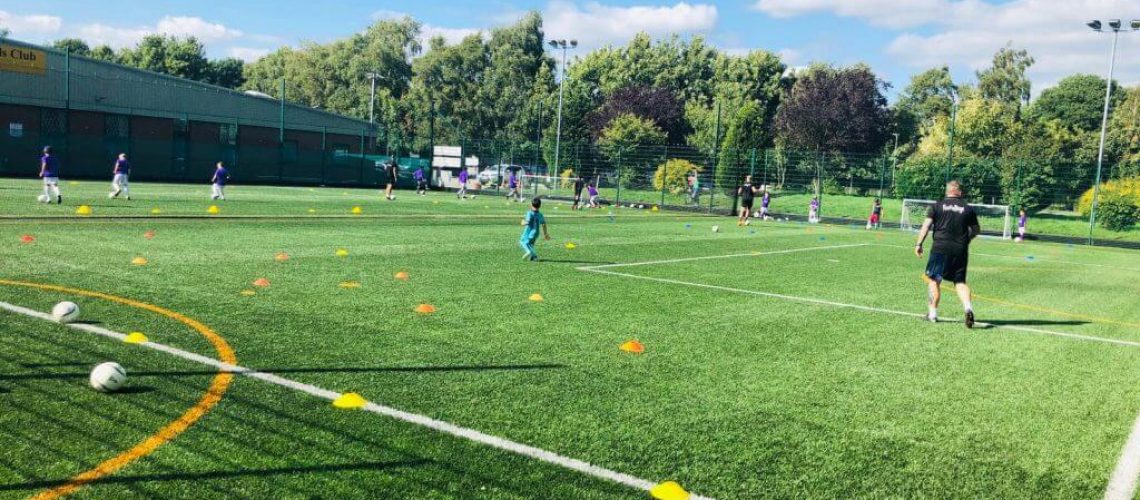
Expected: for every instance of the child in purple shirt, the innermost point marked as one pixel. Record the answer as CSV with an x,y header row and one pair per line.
x,y
218,182
462,193
49,171
421,182
119,182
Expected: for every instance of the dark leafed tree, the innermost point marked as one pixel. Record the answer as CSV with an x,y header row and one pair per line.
x,y
73,46
1077,101
226,73
835,110
658,105
1005,81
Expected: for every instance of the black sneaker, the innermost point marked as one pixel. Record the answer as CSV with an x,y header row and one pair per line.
x,y
969,319
59,200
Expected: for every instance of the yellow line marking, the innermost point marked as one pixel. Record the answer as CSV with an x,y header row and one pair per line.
x,y
1094,319
213,395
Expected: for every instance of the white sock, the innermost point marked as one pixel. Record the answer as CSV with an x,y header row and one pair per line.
x,y
968,305
933,311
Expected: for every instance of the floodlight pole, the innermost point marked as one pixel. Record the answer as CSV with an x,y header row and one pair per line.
x,y
1103,130
372,97
560,44
950,148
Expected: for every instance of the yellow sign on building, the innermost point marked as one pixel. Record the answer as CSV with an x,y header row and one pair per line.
x,y
22,60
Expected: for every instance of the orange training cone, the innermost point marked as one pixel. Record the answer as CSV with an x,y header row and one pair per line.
x,y
402,276
261,282
425,308
281,257
27,238
633,346
149,235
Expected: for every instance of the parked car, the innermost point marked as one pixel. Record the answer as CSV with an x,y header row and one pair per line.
x,y
496,174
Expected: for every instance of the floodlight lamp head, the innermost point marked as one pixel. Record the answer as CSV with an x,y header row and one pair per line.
x,y
573,43
1115,24
1094,24
1136,24
554,43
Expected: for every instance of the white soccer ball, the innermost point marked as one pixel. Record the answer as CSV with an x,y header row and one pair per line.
x,y
474,196
1017,239
65,312
108,377
43,198
641,206
716,229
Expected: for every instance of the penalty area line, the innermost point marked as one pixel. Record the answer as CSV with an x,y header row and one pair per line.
x,y
729,256
414,418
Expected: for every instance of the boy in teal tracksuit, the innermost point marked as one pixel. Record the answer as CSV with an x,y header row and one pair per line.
x,y
531,222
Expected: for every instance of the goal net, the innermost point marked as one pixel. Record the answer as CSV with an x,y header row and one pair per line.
x,y
548,185
992,218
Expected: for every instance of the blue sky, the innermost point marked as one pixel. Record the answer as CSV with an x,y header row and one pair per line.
x,y
895,37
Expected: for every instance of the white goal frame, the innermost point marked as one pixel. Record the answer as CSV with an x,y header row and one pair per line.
x,y
1002,211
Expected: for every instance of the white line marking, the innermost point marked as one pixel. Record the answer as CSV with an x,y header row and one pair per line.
x,y
729,256
1122,485
431,423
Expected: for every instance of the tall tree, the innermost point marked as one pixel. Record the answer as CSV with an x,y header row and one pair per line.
x,y
835,110
104,53
1124,135
658,105
73,46
1005,81
1077,101
925,99
226,73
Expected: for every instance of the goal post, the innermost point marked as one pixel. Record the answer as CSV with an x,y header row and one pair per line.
x,y
992,218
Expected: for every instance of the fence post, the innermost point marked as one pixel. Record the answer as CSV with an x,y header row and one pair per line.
x,y
664,175
617,197
362,132
324,154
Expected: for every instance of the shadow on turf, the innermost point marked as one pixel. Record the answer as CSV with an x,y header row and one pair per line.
x,y
1029,322
187,476
379,369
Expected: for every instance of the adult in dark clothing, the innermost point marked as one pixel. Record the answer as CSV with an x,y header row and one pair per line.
x,y
955,225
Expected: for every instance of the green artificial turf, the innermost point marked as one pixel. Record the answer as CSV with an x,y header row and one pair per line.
x,y
738,395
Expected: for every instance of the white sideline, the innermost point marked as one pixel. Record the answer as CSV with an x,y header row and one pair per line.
x,y
1121,486
729,256
431,423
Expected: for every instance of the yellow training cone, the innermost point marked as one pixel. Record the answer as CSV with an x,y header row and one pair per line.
x,y
155,211
350,284
136,338
281,257
73,183
571,246
537,297
83,210
248,293
350,401
340,252
655,209
213,210
139,261
357,210
312,210
669,490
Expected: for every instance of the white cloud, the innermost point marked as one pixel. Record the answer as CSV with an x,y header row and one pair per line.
x,y
385,14
452,35
965,33
247,54
32,25
197,27
119,36
594,24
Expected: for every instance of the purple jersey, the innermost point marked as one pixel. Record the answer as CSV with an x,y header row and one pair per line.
x,y
122,167
512,181
463,176
815,204
765,200
220,176
1021,221
51,166
593,190
418,174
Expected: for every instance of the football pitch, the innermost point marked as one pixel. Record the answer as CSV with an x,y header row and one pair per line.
x,y
780,359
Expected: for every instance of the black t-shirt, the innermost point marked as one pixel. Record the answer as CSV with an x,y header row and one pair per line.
x,y
878,210
578,185
746,192
953,219
393,171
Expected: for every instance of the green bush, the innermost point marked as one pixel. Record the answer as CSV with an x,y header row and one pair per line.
x,y
831,186
1128,188
1117,212
674,175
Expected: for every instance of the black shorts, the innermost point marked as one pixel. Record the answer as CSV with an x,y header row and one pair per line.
x,y
746,204
949,267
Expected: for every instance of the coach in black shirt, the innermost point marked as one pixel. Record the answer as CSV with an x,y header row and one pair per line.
x,y
955,225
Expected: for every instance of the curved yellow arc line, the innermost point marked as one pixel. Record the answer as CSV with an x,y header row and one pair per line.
x,y
213,395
